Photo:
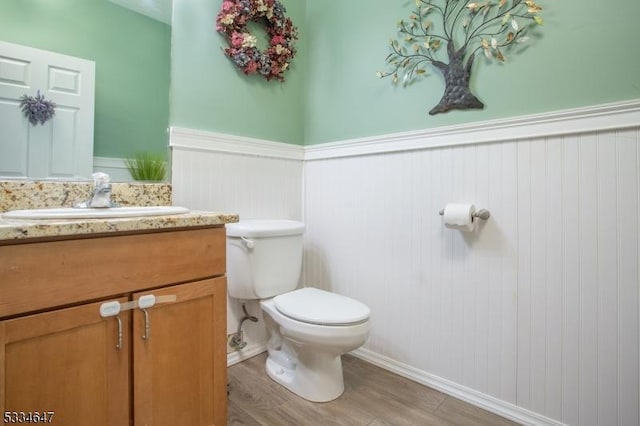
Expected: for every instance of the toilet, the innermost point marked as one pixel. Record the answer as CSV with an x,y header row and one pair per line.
x,y
308,329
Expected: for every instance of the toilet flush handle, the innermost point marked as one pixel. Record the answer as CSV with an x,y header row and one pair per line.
x,y
249,243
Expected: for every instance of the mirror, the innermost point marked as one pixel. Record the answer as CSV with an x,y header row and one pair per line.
x,y
131,52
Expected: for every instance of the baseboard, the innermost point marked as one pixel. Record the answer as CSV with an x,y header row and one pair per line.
x,y
487,402
249,351
111,162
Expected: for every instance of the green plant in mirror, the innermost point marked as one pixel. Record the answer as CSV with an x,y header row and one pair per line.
x,y
147,166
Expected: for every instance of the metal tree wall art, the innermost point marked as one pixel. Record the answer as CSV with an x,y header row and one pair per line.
x,y
461,29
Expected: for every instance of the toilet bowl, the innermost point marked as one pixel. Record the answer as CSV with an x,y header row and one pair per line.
x,y
305,357
308,329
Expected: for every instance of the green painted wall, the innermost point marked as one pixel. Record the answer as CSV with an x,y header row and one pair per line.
x,y
132,56
588,54
209,93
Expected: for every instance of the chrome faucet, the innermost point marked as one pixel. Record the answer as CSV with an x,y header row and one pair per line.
x,y
100,194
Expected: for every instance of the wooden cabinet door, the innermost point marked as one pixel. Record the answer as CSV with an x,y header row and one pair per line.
x,y
180,369
66,362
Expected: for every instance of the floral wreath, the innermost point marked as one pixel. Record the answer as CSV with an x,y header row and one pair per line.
x,y
232,22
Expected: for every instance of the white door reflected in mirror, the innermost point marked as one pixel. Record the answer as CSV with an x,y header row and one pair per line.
x,y
61,148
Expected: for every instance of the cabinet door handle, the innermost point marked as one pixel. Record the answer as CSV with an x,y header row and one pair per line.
x,y
147,325
119,344
148,301
113,309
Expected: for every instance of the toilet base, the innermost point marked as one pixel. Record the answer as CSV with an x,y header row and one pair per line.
x,y
305,357
315,377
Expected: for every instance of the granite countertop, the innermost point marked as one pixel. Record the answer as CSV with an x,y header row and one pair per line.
x,y
30,194
12,230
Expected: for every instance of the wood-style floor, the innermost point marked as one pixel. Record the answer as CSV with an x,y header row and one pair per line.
x,y
372,396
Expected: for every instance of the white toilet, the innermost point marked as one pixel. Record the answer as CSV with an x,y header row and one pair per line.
x,y
308,329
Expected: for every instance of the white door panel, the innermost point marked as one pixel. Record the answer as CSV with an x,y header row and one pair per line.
x,y
13,156
63,146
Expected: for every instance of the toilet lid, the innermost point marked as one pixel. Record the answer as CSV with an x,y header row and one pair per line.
x,y
317,306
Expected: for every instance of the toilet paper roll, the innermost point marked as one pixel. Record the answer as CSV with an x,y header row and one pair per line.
x,y
459,216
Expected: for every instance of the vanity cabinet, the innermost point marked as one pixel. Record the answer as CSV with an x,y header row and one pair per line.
x,y
163,367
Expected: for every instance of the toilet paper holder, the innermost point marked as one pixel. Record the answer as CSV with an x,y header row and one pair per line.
x,y
483,214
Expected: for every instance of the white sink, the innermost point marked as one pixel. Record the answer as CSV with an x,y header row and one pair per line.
x,y
94,213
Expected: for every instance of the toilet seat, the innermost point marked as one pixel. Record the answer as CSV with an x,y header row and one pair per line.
x,y
315,306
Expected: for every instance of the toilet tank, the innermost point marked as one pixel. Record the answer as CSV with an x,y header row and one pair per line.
x,y
264,257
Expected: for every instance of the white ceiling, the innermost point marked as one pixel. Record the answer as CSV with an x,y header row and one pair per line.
x,y
160,10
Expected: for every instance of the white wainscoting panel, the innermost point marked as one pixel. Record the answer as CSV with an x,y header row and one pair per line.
x,y
114,167
535,316
208,175
538,308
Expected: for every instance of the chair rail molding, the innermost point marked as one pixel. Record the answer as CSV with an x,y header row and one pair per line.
x,y
200,140
617,115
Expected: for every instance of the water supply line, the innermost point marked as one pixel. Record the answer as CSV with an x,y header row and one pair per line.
x,y
237,342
